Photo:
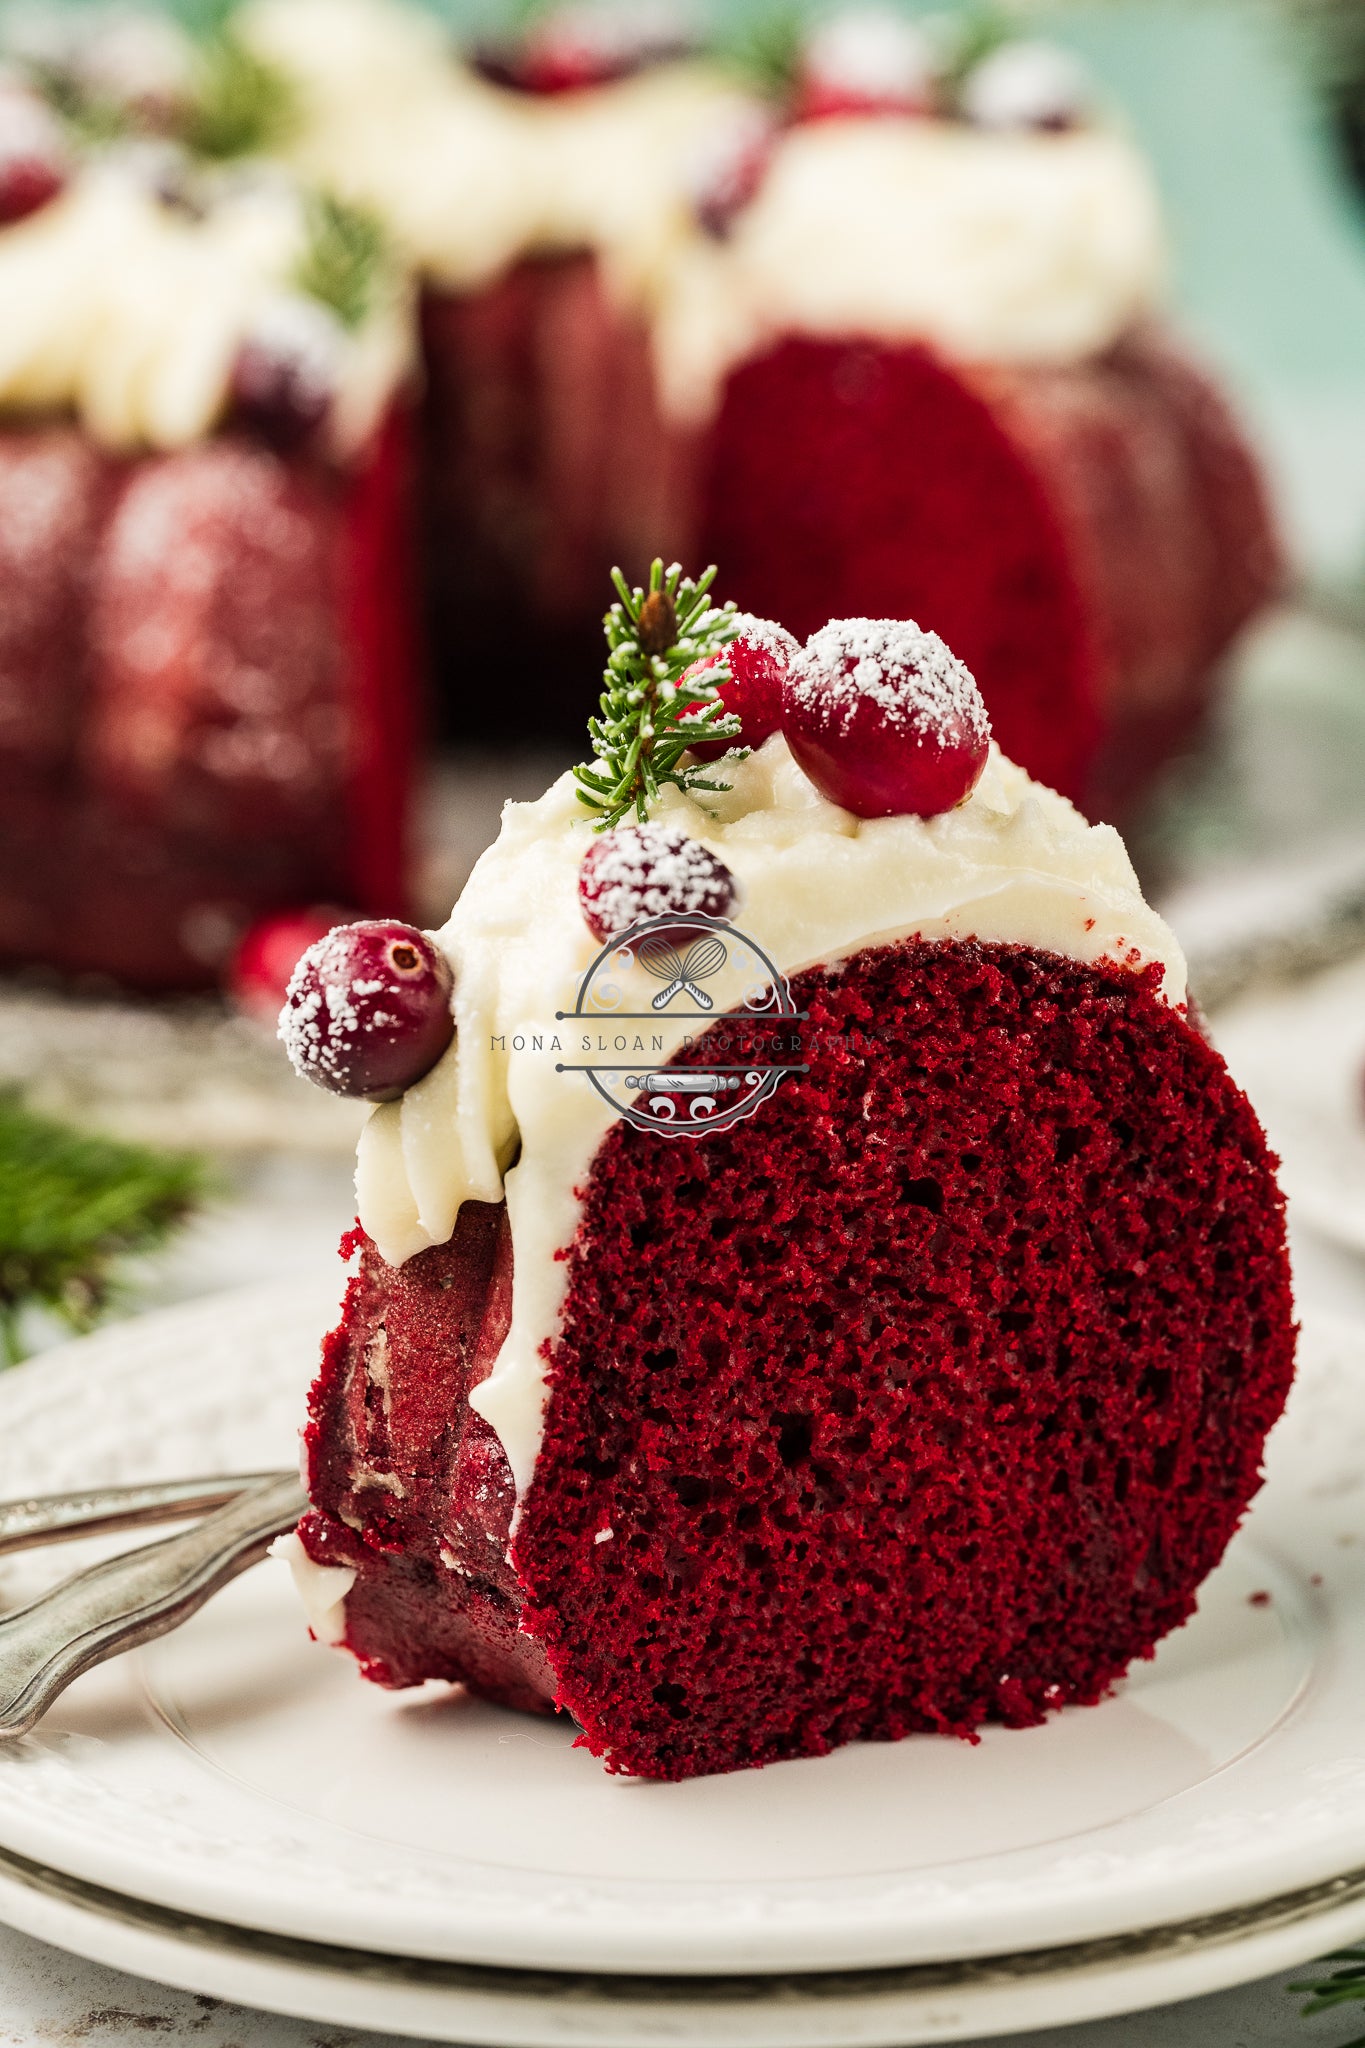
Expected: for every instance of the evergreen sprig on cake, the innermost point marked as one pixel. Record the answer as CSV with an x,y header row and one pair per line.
x,y
341,261
656,637
242,105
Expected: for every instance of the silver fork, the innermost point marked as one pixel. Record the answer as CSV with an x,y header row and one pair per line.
x,y
140,1594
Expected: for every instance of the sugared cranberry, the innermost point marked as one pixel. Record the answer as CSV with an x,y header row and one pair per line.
x,y
727,166
1027,84
758,659
286,371
33,161
885,719
258,974
136,59
571,48
641,871
867,60
368,1010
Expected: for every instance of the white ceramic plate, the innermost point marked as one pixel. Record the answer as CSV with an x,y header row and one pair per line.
x,y
239,1774
1300,1055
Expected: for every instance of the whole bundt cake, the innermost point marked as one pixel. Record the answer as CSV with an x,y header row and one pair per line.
x,y
828,1287
885,339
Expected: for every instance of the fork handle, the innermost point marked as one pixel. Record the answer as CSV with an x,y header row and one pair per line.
x,y
131,1598
63,1517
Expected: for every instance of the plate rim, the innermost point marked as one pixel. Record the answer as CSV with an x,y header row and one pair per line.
x,y
890,2008
888,1931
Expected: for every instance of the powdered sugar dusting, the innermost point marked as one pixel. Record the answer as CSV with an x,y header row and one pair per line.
x,y
767,634
321,1016
641,871
912,676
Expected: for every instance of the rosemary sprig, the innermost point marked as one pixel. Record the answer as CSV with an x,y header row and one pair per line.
x,y
341,261
653,635
243,106
1343,1987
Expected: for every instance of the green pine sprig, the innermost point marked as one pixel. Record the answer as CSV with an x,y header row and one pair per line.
x,y
763,47
639,740
342,258
1343,1987
72,1206
242,105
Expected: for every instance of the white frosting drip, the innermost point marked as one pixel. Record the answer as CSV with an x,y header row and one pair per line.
x,y
131,313
1015,863
322,1588
468,176
1005,247
993,247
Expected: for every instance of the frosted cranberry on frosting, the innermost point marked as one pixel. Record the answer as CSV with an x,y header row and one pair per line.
x,y
885,719
369,1010
646,871
1027,84
34,166
866,60
758,659
286,372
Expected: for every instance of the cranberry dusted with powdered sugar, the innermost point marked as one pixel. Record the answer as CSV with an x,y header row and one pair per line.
x,y
758,658
885,719
865,60
572,48
1027,84
286,371
727,166
33,160
369,1010
642,871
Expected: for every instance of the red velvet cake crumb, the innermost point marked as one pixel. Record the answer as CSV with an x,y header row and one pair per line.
x,y
925,1397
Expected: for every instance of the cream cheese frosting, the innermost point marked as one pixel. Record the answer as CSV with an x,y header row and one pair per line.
x,y
468,176
1013,247
130,312
322,1588
499,1115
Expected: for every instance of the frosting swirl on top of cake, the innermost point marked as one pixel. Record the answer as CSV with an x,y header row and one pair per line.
x,y
468,176
1012,247
498,1116
996,246
130,312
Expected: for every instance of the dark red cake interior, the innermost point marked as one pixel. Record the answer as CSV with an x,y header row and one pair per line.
x,y
926,1396
1088,538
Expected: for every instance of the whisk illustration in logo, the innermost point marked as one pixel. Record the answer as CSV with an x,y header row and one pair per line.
x,y
686,1025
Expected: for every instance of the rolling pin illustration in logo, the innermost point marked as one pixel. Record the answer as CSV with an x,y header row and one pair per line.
x,y
690,1026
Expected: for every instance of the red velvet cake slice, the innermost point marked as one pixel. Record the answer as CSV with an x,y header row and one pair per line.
x,y
917,1386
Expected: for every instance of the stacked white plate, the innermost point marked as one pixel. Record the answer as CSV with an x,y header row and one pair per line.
x,y
233,1811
